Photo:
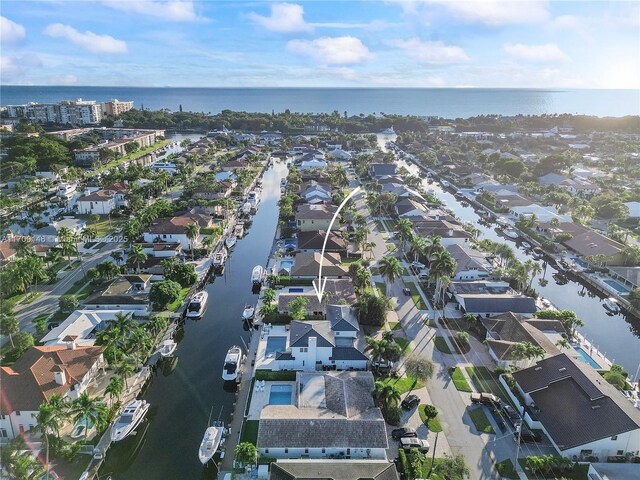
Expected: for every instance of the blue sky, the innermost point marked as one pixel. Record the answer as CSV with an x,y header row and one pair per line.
x,y
433,43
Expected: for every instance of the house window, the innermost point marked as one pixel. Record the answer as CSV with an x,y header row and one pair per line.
x,y
286,450
324,450
17,413
348,451
266,450
306,451
304,349
21,428
615,437
3,433
620,453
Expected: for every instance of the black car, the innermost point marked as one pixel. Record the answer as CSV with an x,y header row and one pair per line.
x,y
399,433
528,436
411,401
406,291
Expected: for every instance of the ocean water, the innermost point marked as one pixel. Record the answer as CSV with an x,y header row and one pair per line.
x,y
442,102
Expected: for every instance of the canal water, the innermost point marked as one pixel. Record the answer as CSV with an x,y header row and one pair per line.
x,y
183,395
617,336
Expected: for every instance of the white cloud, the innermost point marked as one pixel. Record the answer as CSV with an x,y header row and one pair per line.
x,y
563,22
332,50
63,79
14,67
536,53
172,10
285,17
345,73
11,32
88,40
493,13
433,53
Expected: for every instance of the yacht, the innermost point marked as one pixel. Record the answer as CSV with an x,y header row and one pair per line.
x,y
230,241
611,304
246,208
510,233
210,443
197,304
248,312
257,275
219,258
503,221
130,418
253,198
526,245
388,131
167,348
232,362
445,183
238,230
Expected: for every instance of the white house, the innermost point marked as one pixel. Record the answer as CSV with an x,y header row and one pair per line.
x,y
125,292
314,163
339,154
40,373
543,214
470,264
175,229
582,414
81,327
102,202
332,415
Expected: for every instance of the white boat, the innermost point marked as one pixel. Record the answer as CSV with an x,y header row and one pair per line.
x,y
246,208
197,304
253,199
388,131
611,304
167,348
130,418
210,443
219,258
257,275
248,312
503,221
445,183
232,362
230,241
510,233
526,245
238,230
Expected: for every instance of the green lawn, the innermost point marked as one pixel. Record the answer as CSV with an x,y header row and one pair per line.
x,y
395,326
480,420
415,296
250,431
382,288
433,424
131,156
40,317
173,306
103,226
391,247
579,473
486,381
403,384
283,376
30,298
403,343
441,345
459,380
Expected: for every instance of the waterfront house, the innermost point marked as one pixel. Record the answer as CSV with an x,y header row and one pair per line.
x,y
332,416
339,155
586,242
313,306
542,214
49,234
102,202
7,252
233,165
316,193
306,265
81,327
315,217
470,264
382,169
311,469
583,415
504,331
337,291
125,292
310,241
174,229
162,249
402,191
409,208
40,373
313,164
313,344
450,231
489,298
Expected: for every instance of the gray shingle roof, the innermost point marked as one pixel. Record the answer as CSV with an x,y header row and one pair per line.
x,y
301,332
498,303
347,353
382,169
333,470
342,318
576,405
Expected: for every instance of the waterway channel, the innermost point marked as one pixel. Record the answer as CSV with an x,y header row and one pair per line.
x,y
183,396
618,336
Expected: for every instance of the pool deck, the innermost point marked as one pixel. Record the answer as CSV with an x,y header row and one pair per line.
x,y
260,399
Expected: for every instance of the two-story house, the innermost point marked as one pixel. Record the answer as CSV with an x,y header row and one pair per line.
x,y
315,217
125,292
174,229
470,264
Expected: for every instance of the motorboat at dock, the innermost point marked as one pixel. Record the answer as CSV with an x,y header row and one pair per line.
x,y
230,241
232,363
197,304
129,419
611,304
248,312
257,275
167,348
213,437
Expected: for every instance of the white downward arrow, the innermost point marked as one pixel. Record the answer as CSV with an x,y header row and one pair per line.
x,y
319,284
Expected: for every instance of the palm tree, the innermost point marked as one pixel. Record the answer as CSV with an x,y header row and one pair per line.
x,y
405,230
114,388
92,410
563,343
192,231
137,255
124,369
533,268
362,278
376,349
441,264
117,256
269,296
47,423
519,352
89,233
67,249
36,269
53,256
418,247
390,269
386,395
445,281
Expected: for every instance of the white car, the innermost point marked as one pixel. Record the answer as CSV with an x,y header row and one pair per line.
x,y
418,265
407,443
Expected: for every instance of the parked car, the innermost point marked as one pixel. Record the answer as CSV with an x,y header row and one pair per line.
x,y
511,414
406,291
399,433
410,401
527,435
418,265
407,443
485,398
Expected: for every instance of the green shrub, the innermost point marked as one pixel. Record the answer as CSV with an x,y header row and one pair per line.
x,y
404,465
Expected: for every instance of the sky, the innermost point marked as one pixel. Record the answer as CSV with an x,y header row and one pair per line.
x,y
392,43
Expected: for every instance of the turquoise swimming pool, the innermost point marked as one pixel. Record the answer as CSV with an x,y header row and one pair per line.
x,y
587,358
280,395
618,287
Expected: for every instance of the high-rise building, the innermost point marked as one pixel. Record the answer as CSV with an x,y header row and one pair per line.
x,y
116,107
75,112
